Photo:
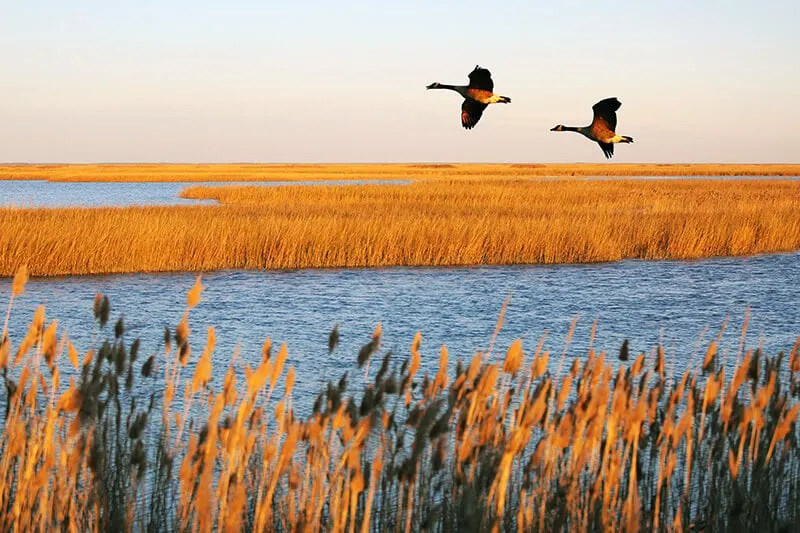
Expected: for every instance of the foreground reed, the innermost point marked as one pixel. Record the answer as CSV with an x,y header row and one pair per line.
x,y
502,443
324,172
474,222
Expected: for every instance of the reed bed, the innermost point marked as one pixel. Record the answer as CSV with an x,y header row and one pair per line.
x,y
324,172
503,442
434,223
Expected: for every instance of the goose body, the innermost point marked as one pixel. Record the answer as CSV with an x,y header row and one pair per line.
x,y
478,94
603,126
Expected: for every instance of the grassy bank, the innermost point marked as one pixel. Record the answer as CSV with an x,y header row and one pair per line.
x,y
304,172
503,443
473,222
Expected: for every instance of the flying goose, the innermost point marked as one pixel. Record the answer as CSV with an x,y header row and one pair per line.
x,y
602,127
477,95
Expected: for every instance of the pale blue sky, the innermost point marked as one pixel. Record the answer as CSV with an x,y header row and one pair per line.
x,y
198,81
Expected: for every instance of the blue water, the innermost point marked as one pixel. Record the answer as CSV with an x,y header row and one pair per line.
x,y
40,193
647,302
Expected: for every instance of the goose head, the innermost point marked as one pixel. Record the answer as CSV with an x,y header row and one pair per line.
x,y
560,127
434,85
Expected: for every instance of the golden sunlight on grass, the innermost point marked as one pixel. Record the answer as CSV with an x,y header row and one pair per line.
x,y
425,223
500,443
322,172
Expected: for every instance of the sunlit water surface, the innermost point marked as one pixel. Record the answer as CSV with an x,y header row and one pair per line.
x,y
40,193
648,302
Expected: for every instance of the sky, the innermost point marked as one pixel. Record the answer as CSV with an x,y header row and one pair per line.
x,y
313,81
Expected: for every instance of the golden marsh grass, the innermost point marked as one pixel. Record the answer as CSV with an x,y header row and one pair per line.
x,y
500,443
422,171
471,222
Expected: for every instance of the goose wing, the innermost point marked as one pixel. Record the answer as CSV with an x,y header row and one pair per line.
x,y
605,113
607,148
481,78
471,112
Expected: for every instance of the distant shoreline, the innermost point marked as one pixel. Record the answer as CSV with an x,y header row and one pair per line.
x,y
384,171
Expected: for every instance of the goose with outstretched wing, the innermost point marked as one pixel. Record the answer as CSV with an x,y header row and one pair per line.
x,y
478,94
602,130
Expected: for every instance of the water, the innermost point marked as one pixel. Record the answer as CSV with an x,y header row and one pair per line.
x,y
647,302
40,193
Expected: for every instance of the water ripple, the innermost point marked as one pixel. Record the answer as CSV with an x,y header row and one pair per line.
x,y
646,302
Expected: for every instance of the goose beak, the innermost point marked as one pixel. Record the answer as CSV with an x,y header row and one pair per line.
x,y
554,128
431,86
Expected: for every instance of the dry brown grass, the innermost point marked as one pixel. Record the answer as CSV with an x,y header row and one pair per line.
x,y
501,444
425,223
304,172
